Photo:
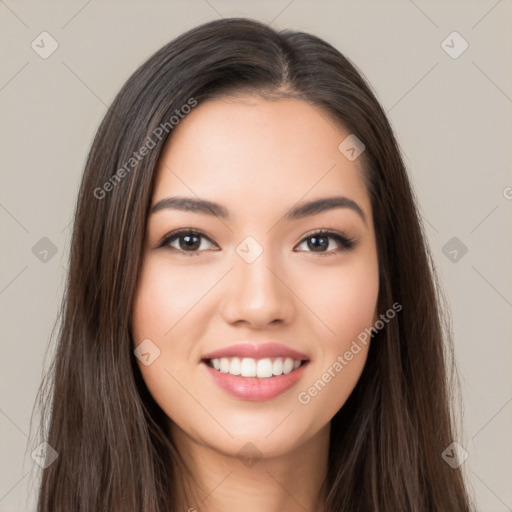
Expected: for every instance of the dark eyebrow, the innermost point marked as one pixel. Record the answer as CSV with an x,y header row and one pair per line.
x,y
189,204
322,205
299,211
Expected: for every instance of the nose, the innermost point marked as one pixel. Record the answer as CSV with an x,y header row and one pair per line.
x,y
257,294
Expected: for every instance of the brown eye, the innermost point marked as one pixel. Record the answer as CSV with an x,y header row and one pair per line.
x,y
187,241
321,242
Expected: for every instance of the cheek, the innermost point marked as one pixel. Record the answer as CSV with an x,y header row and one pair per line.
x,y
353,307
156,312
165,296
156,315
345,301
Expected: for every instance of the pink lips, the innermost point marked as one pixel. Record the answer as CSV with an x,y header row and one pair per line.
x,y
254,388
256,351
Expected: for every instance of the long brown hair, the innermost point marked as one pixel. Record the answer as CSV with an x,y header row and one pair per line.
x,y
114,450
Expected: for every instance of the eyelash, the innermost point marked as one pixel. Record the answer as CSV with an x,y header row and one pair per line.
x,y
346,244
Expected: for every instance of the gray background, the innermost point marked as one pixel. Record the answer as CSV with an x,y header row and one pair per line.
x,y
452,117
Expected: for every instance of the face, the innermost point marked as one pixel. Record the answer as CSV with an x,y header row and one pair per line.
x,y
235,295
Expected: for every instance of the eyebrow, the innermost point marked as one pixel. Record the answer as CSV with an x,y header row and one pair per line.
x,y
190,204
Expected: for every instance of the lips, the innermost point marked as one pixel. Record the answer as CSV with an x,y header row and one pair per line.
x,y
286,368
259,351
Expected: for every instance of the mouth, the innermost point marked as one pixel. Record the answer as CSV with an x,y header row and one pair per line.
x,y
248,367
254,379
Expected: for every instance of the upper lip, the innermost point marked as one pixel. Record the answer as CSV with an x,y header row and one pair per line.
x,y
256,351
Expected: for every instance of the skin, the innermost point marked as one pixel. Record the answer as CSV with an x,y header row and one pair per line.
x,y
257,158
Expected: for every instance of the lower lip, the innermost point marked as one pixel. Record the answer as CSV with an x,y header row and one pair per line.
x,y
254,388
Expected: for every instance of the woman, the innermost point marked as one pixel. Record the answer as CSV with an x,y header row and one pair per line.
x,y
251,317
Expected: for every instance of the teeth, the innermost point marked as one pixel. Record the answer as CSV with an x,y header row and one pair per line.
x,y
277,367
249,367
235,366
264,368
224,364
287,365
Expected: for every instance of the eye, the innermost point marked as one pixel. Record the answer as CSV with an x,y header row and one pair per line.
x,y
192,242
187,241
319,242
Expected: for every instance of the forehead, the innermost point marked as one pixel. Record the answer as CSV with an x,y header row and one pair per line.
x,y
246,152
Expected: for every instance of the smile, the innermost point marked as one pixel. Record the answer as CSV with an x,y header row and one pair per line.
x,y
253,387
250,367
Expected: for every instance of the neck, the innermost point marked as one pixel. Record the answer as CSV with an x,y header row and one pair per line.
x,y
219,482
